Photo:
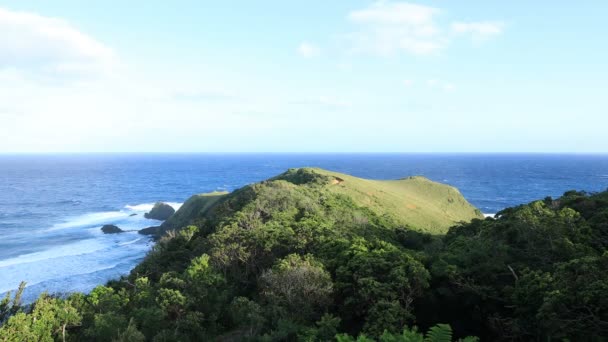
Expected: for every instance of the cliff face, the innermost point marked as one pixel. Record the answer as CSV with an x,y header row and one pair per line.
x,y
415,202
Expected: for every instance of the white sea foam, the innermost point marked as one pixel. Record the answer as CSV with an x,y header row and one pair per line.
x,y
140,207
489,215
88,220
113,217
130,242
81,282
146,207
77,248
61,267
31,283
71,260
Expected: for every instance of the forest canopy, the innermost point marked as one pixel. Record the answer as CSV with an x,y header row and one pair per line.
x,y
304,257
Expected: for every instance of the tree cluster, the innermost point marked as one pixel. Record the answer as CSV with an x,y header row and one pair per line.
x,y
286,260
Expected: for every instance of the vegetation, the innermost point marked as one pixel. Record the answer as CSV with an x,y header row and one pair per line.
x,y
313,255
417,202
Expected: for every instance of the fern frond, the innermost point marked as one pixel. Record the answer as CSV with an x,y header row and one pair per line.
x,y
439,333
469,339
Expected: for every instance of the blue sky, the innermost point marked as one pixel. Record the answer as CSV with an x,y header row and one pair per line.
x,y
307,76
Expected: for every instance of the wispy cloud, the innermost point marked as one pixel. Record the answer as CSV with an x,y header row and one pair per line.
x,y
431,83
387,28
329,102
204,95
478,30
440,84
308,50
32,42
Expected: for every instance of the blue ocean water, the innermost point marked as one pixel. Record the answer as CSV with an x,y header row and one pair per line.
x,y
52,206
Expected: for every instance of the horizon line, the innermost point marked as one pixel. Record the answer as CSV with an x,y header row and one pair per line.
x,y
299,153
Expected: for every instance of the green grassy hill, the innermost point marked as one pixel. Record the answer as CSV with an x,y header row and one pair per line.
x,y
312,255
196,206
416,202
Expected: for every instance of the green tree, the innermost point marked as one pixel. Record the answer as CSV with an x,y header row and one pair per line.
x,y
50,319
297,287
8,306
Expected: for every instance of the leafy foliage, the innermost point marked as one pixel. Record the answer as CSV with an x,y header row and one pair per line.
x,y
437,333
8,306
49,320
305,257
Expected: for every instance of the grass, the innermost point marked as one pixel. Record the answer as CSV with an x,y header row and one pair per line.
x,y
415,202
196,206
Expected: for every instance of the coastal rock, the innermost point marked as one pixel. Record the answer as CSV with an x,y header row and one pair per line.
x,y
161,211
149,230
111,229
134,214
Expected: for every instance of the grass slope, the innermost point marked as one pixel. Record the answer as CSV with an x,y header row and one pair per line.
x,y
195,207
416,202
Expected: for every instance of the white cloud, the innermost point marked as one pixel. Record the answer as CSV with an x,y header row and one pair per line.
x,y
345,66
448,86
328,102
208,95
399,13
124,113
440,84
308,50
388,27
408,83
333,102
478,30
39,44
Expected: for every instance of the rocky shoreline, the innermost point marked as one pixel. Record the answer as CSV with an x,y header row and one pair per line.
x,y
161,212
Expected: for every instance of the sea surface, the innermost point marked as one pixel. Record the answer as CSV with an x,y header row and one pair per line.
x,y
52,206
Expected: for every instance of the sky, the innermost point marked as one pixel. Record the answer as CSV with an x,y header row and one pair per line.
x,y
303,76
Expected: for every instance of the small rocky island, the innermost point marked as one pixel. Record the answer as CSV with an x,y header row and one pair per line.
x,y
161,211
111,229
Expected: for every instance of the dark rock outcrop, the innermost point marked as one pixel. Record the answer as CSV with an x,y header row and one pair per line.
x,y
161,211
111,229
134,214
149,231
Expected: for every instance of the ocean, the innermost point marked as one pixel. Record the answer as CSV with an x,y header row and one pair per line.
x,y
52,206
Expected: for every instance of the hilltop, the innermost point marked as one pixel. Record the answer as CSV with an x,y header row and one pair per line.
x,y
314,255
415,202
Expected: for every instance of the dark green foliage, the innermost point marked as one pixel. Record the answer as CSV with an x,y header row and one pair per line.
x,y
532,273
49,319
303,176
130,334
8,306
287,260
437,333
377,283
297,288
